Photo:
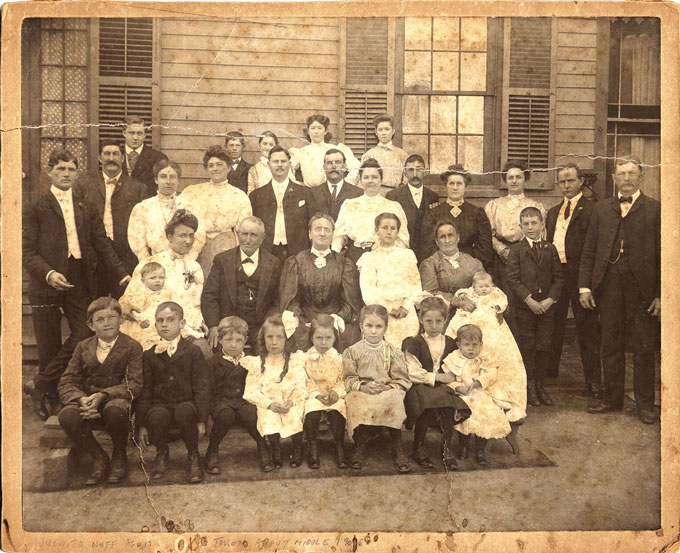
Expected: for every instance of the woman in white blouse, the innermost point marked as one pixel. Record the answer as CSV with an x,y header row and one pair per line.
x,y
309,158
146,227
355,227
219,206
259,174
389,276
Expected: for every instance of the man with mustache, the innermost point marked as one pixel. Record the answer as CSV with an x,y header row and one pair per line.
x,y
415,199
329,196
63,240
113,194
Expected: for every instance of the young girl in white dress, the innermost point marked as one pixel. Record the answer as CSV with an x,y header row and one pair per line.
x,y
276,385
376,380
474,376
389,276
500,348
142,306
325,390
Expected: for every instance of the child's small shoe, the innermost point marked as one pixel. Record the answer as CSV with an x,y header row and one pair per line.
x,y
266,462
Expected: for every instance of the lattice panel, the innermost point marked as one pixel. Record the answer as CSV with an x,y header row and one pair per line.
x,y
52,52
46,147
52,23
51,115
52,85
79,149
76,83
76,23
76,48
76,119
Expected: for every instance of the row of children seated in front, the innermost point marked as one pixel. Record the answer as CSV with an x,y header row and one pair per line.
x,y
280,393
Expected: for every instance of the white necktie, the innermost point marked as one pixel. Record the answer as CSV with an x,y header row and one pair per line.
x,y
108,217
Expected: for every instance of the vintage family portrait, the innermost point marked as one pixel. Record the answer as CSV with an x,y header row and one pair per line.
x,y
320,277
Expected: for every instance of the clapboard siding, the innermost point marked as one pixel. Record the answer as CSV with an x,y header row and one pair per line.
x,y
575,90
247,75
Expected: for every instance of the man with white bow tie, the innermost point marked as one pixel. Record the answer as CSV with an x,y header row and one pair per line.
x,y
566,226
63,241
243,282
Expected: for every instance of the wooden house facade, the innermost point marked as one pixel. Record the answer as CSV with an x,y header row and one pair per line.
x,y
470,90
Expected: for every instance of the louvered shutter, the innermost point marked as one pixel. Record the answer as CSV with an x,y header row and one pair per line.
x,y
125,74
366,79
528,105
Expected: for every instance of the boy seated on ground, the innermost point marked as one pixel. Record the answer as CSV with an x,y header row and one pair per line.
x,y
176,390
102,378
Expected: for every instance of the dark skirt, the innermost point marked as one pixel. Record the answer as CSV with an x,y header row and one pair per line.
x,y
421,397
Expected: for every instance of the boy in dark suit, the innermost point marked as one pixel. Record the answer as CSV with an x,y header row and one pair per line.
x,y
621,269
534,275
63,240
176,389
113,194
330,195
238,172
415,199
102,378
566,225
139,159
282,205
228,380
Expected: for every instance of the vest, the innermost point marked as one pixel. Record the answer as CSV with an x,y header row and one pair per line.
x,y
616,257
246,295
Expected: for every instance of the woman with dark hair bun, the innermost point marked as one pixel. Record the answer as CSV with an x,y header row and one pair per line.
x,y
309,158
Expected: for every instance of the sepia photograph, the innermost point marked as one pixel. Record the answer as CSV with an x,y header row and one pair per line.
x,y
332,274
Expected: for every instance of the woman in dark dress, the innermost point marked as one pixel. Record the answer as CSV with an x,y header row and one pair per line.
x,y
471,222
320,280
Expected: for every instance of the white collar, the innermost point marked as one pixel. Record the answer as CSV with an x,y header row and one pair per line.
x,y
61,194
101,344
634,196
415,190
387,146
280,185
116,178
574,200
174,342
235,161
255,257
234,360
455,203
319,253
129,150
515,197
220,184
532,242
337,184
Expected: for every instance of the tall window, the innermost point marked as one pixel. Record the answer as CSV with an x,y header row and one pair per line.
x,y
64,80
634,112
444,89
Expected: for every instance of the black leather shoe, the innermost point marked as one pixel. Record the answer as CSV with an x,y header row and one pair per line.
x,y
297,455
119,466
543,395
38,399
602,407
212,463
195,471
358,455
265,455
100,470
419,455
647,416
160,464
340,460
532,395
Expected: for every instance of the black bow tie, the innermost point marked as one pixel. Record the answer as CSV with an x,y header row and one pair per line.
x,y
247,260
626,199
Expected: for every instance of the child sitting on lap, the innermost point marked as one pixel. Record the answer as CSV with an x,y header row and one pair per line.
x,y
276,386
376,380
325,389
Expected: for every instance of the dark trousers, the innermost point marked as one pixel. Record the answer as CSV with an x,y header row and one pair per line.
x,y
313,419
534,336
281,252
183,415
444,418
115,420
53,356
587,330
107,282
224,417
623,314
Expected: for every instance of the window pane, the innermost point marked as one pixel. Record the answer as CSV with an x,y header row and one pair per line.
x,y
47,145
76,83
52,48
443,114
445,71
418,33
417,70
473,34
51,115
473,72
415,144
76,119
414,114
443,152
51,83
471,153
471,114
76,48
446,33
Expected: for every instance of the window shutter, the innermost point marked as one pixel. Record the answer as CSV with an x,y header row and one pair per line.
x,y
528,102
125,74
366,79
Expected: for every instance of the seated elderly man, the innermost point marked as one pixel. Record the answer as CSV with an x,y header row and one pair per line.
x,y
243,282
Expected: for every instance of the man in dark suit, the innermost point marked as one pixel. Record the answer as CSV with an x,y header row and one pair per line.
x,y
620,275
113,194
566,225
330,195
238,172
415,199
534,276
243,281
139,159
63,239
282,205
